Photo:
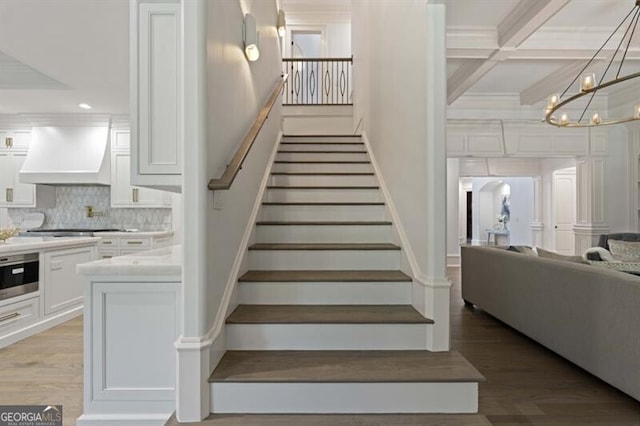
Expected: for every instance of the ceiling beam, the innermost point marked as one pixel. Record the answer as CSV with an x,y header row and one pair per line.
x,y
525,19
552,83
519,25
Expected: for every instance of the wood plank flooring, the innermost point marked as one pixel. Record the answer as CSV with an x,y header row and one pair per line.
x,y
526,384
45,369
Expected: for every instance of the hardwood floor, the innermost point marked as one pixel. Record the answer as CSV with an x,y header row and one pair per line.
x,y
45,369
526,384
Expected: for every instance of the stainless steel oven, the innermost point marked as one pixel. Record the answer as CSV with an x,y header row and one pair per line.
x,y
18,274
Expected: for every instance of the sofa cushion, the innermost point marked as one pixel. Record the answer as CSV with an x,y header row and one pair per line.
x,y
625,251
551,255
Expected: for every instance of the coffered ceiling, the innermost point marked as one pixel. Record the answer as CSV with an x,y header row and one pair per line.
x,y
55,54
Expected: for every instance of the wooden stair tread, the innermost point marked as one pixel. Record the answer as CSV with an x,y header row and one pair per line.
x,y
320,152
320,143
321,223
322,162
326,314
324,246
362,366
323,187
338,420
323,203
325,276
322,136
323,173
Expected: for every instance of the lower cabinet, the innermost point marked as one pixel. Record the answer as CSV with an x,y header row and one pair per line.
x,y
112,246
63,287
15,316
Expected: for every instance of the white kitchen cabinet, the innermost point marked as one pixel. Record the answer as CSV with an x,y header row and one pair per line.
x,y
15,316
156,142
15,139
121,243
16,194
123,194
120,140
63,287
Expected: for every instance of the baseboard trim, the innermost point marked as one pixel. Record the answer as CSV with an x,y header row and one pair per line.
x,y
453,260
120,419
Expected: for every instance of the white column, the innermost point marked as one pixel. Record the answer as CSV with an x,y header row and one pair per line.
x,y
537,226
591,202
436,286
193,360
453,214
633,132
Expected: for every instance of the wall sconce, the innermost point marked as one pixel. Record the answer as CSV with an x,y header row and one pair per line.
x,y
250,38
282,23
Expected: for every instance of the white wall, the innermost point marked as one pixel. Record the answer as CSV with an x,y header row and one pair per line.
x,y
390,95
237,90
338,40
453,203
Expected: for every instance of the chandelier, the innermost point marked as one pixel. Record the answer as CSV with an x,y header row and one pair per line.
x,y
589,85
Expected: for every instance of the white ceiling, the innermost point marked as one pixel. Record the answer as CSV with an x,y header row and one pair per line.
x,y
55,54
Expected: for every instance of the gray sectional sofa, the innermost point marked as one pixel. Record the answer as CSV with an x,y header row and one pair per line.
x,y
588,315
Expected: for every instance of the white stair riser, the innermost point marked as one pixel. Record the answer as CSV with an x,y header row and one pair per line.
x,y
324,180
321,139
344,213
324,293
413,397
264,260
322,195
322,167
340,146
323,233
307,337
309,156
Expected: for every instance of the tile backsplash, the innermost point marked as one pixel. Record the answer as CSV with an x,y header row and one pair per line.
x,y
69,212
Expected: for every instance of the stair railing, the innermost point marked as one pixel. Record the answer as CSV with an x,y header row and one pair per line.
x,y
318,81
229,175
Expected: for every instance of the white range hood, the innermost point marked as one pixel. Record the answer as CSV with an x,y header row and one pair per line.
x,y
67,156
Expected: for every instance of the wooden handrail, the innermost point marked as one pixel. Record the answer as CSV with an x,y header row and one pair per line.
x,y
227,178
317,59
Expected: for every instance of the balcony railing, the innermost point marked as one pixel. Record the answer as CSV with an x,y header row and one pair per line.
x,y
318,81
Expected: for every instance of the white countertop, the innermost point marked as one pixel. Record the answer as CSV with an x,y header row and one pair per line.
x,y
166,261
134,234
21,244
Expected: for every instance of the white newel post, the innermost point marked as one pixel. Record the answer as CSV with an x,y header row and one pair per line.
x,y
537,226
437,286
591,202
193,346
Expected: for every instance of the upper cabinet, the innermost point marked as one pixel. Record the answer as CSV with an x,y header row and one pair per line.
x,y
123,194
13,152
156,141
15,139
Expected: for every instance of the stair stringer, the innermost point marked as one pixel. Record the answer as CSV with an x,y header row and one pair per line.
x,y
430,297
216,333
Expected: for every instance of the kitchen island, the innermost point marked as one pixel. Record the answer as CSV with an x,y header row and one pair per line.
x,y
131,323
119,243
57,294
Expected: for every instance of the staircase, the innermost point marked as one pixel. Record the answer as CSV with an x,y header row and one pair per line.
x,y
325,322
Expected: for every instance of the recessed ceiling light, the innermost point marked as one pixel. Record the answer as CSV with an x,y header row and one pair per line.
x,y
84,106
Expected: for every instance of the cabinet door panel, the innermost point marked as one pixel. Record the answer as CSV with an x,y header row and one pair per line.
x,y
24,194
121,189
63,287
6,176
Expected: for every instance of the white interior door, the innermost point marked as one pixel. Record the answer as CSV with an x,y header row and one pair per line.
x,y
564,210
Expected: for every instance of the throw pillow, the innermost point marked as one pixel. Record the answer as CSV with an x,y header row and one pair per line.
x,y
625,251
598,254
556,256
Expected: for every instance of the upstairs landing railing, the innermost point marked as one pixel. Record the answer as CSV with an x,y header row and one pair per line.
x,y
318,81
